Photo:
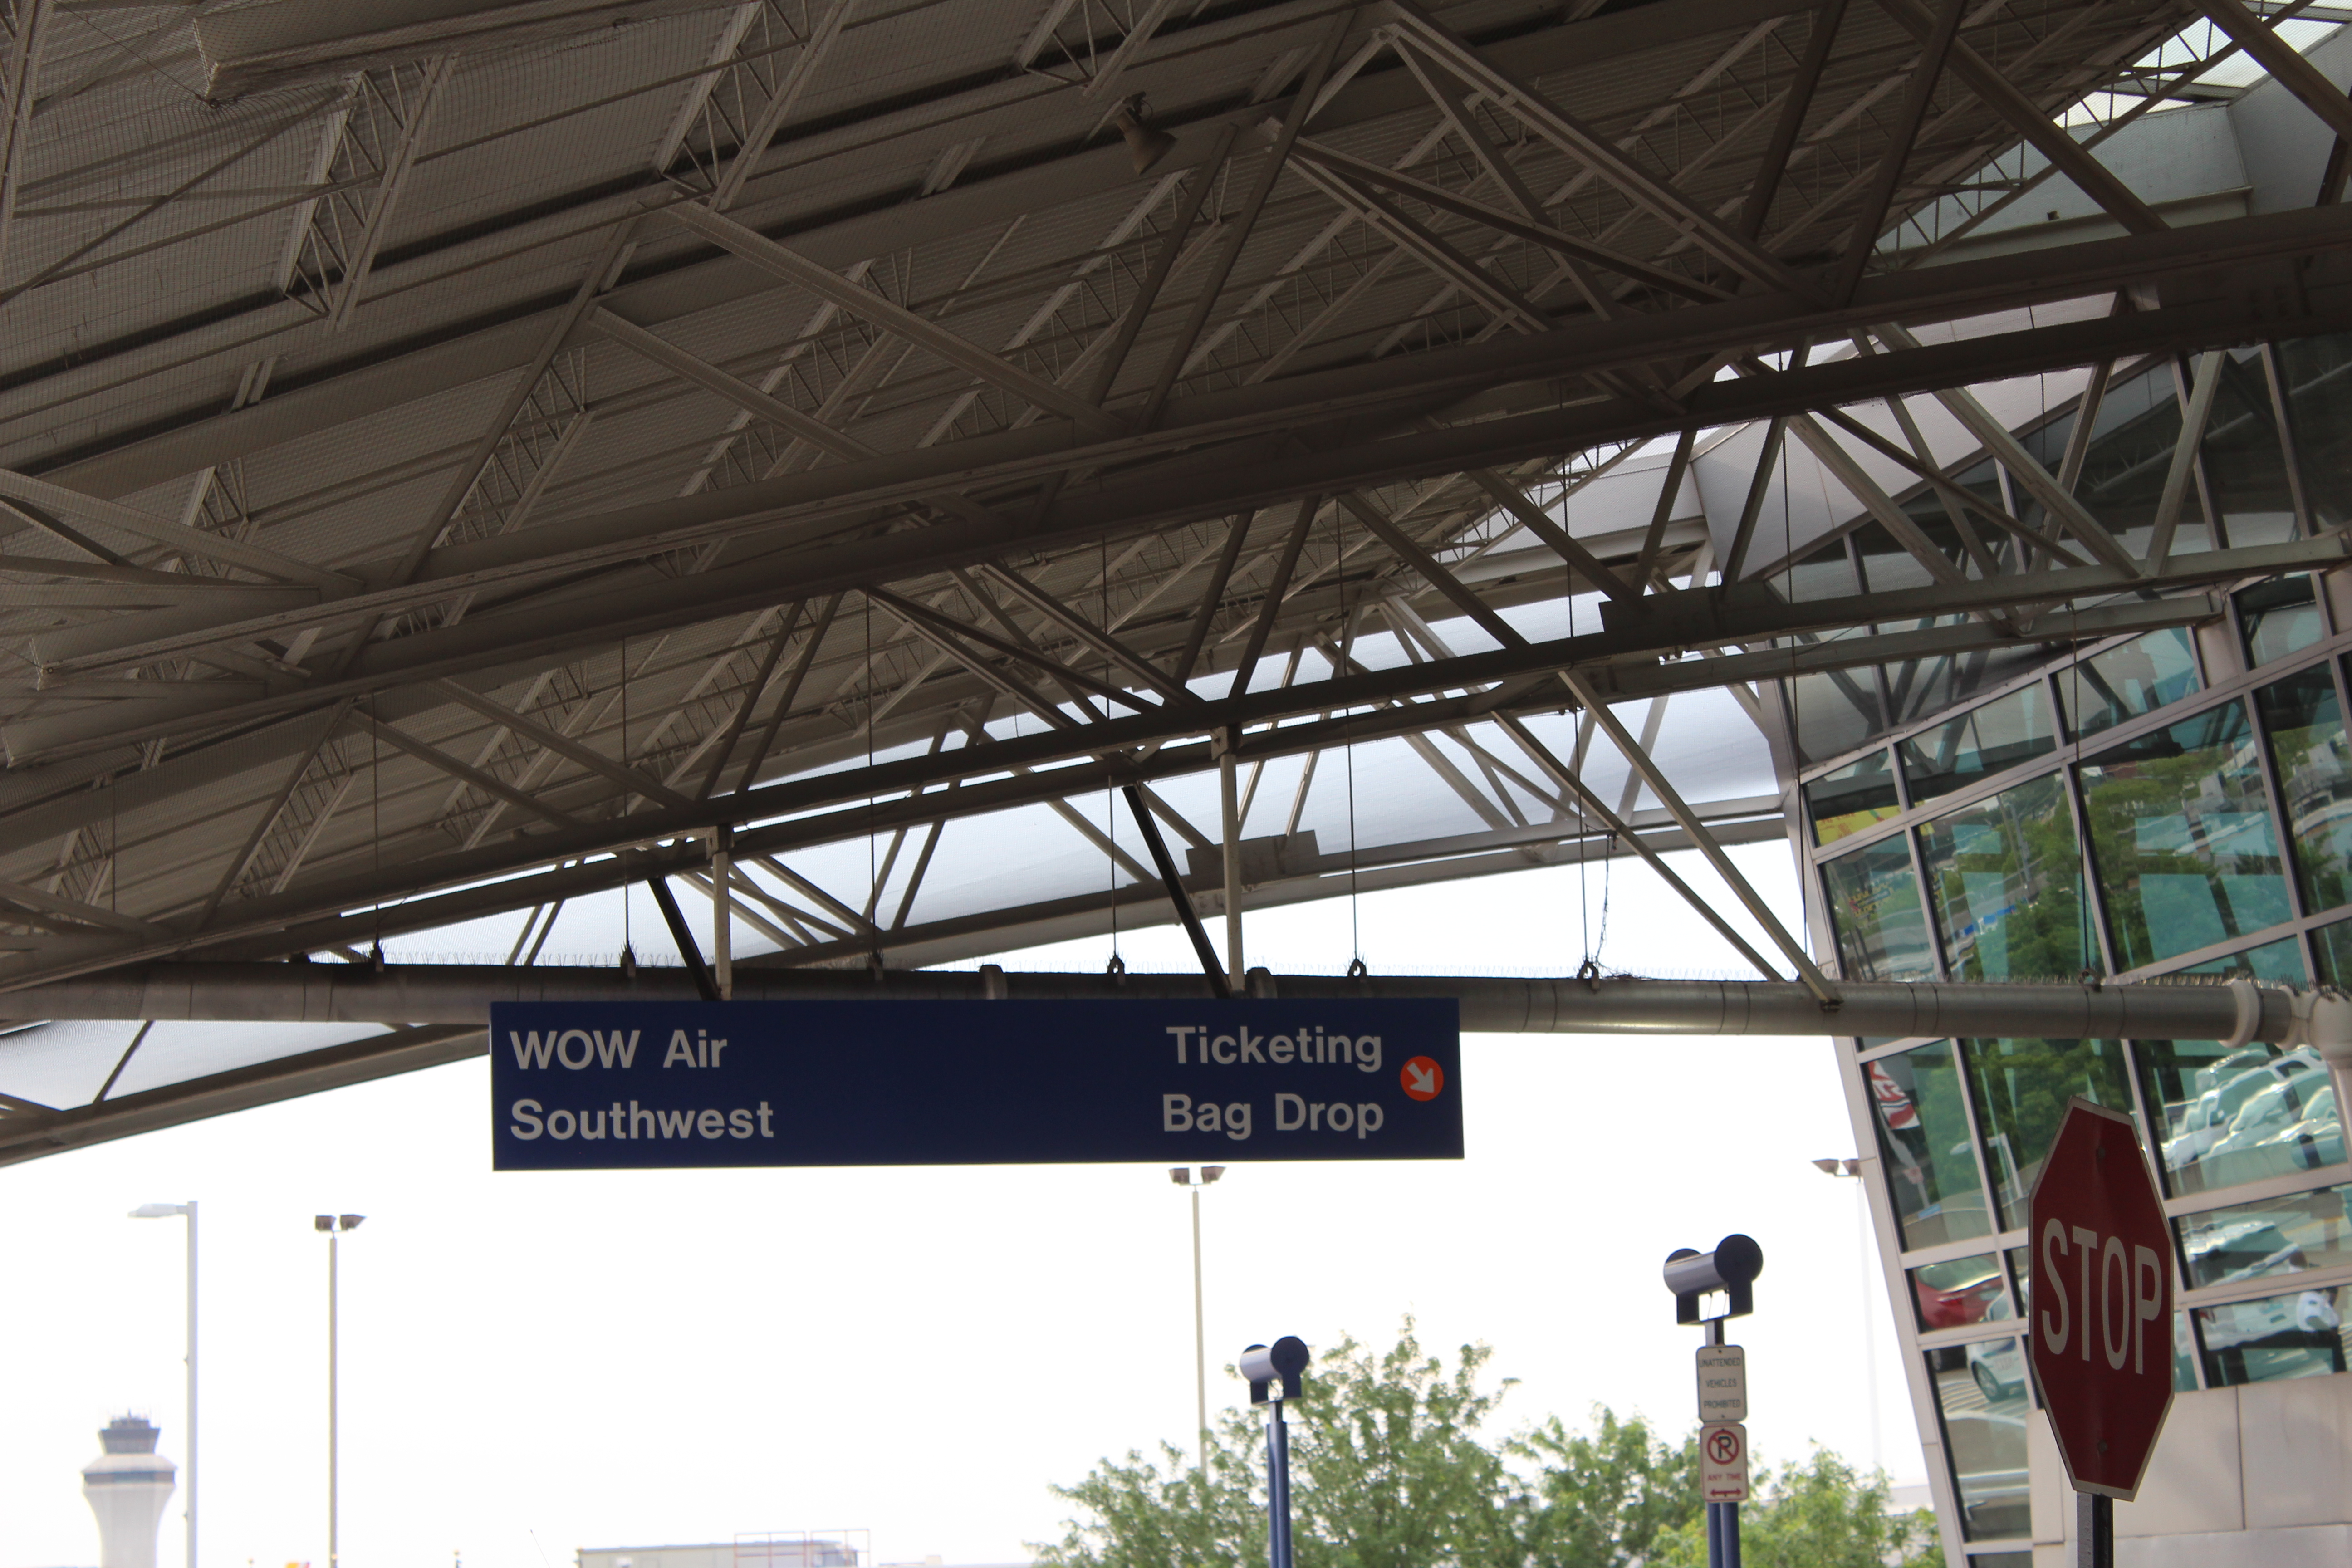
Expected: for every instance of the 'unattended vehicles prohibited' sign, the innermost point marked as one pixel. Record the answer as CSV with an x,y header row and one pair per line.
x,y
644,1084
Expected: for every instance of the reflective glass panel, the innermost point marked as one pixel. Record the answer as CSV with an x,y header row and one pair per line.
x,y
1873,901
1851,798
1924,686
2245,468
2316,375
1923,1139
2008,885
2281,961
2139,677
2021,1087
2241,1115
2181,833
2295,1335
1826,573
2130,453
1980,1393
1959,1291
2288,1234
2277,618
2305,726
2000,734
2333,946
1835,712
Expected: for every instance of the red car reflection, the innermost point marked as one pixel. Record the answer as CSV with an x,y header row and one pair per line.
x,y
1948,1304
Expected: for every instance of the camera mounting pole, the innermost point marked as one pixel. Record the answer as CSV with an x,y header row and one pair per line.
x,y
1709,1287
1276,1374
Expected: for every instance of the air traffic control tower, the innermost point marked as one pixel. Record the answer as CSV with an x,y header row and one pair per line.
x,y
127,1486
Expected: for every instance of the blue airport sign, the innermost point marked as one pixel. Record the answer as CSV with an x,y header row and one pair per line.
x,y
653,1085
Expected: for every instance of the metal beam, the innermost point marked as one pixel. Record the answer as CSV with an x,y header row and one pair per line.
x,y
2284,62
2182,471
20,69
489,784
788,265
1178,898
595,761
779,105
1820,984
2032,121
1495,293
1359,172
1207,488
1243,223
1918,95
1756,207
1598,152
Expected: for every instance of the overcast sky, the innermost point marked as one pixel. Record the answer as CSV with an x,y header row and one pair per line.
x,y
537,1363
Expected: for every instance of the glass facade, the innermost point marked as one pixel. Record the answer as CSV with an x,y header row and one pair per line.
x,y
2007,878
2183,838
2139,677
2164,804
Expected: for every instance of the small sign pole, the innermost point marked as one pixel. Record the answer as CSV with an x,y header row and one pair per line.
x,y
1726,1277
1275,1375
2095,1531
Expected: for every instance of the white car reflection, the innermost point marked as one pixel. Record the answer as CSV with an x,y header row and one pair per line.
x,y
2225,1087
2296,1113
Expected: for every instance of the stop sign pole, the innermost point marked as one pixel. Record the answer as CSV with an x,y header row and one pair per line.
x,y
2100,1319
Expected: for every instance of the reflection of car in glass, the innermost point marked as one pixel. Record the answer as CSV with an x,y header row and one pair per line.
x,y
2320,1134
1999,1367
1962,1291
2293,1336
2236,1079
2281,1115
2280,1336
1988,1453
2241,1249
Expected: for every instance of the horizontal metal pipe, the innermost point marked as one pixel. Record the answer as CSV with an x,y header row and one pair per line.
x,y
460,994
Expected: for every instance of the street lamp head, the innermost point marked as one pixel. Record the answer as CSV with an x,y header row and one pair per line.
x,y
332,1224
1826,1167
159,1210
322,1222
1210,1174
1182,1175
352,1221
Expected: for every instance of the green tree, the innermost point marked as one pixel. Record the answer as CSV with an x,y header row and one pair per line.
x,y
1603,1500
1391,1468
1818,1514
1387,1470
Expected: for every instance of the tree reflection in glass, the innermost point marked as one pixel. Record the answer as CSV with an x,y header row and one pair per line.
x,y
2315,771
2181,834
2008,882
2021,1088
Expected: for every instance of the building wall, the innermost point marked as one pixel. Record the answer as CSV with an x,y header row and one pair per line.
x,y
2174,805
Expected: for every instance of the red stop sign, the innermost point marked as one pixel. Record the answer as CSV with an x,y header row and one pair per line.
x,y
2101,1307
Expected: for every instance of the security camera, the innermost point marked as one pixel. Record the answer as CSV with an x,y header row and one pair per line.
x,y
1731,1268
1281,1362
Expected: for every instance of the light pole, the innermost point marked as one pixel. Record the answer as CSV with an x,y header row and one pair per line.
x,y
1844,1170
187,1211
334,1225
1182,1176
